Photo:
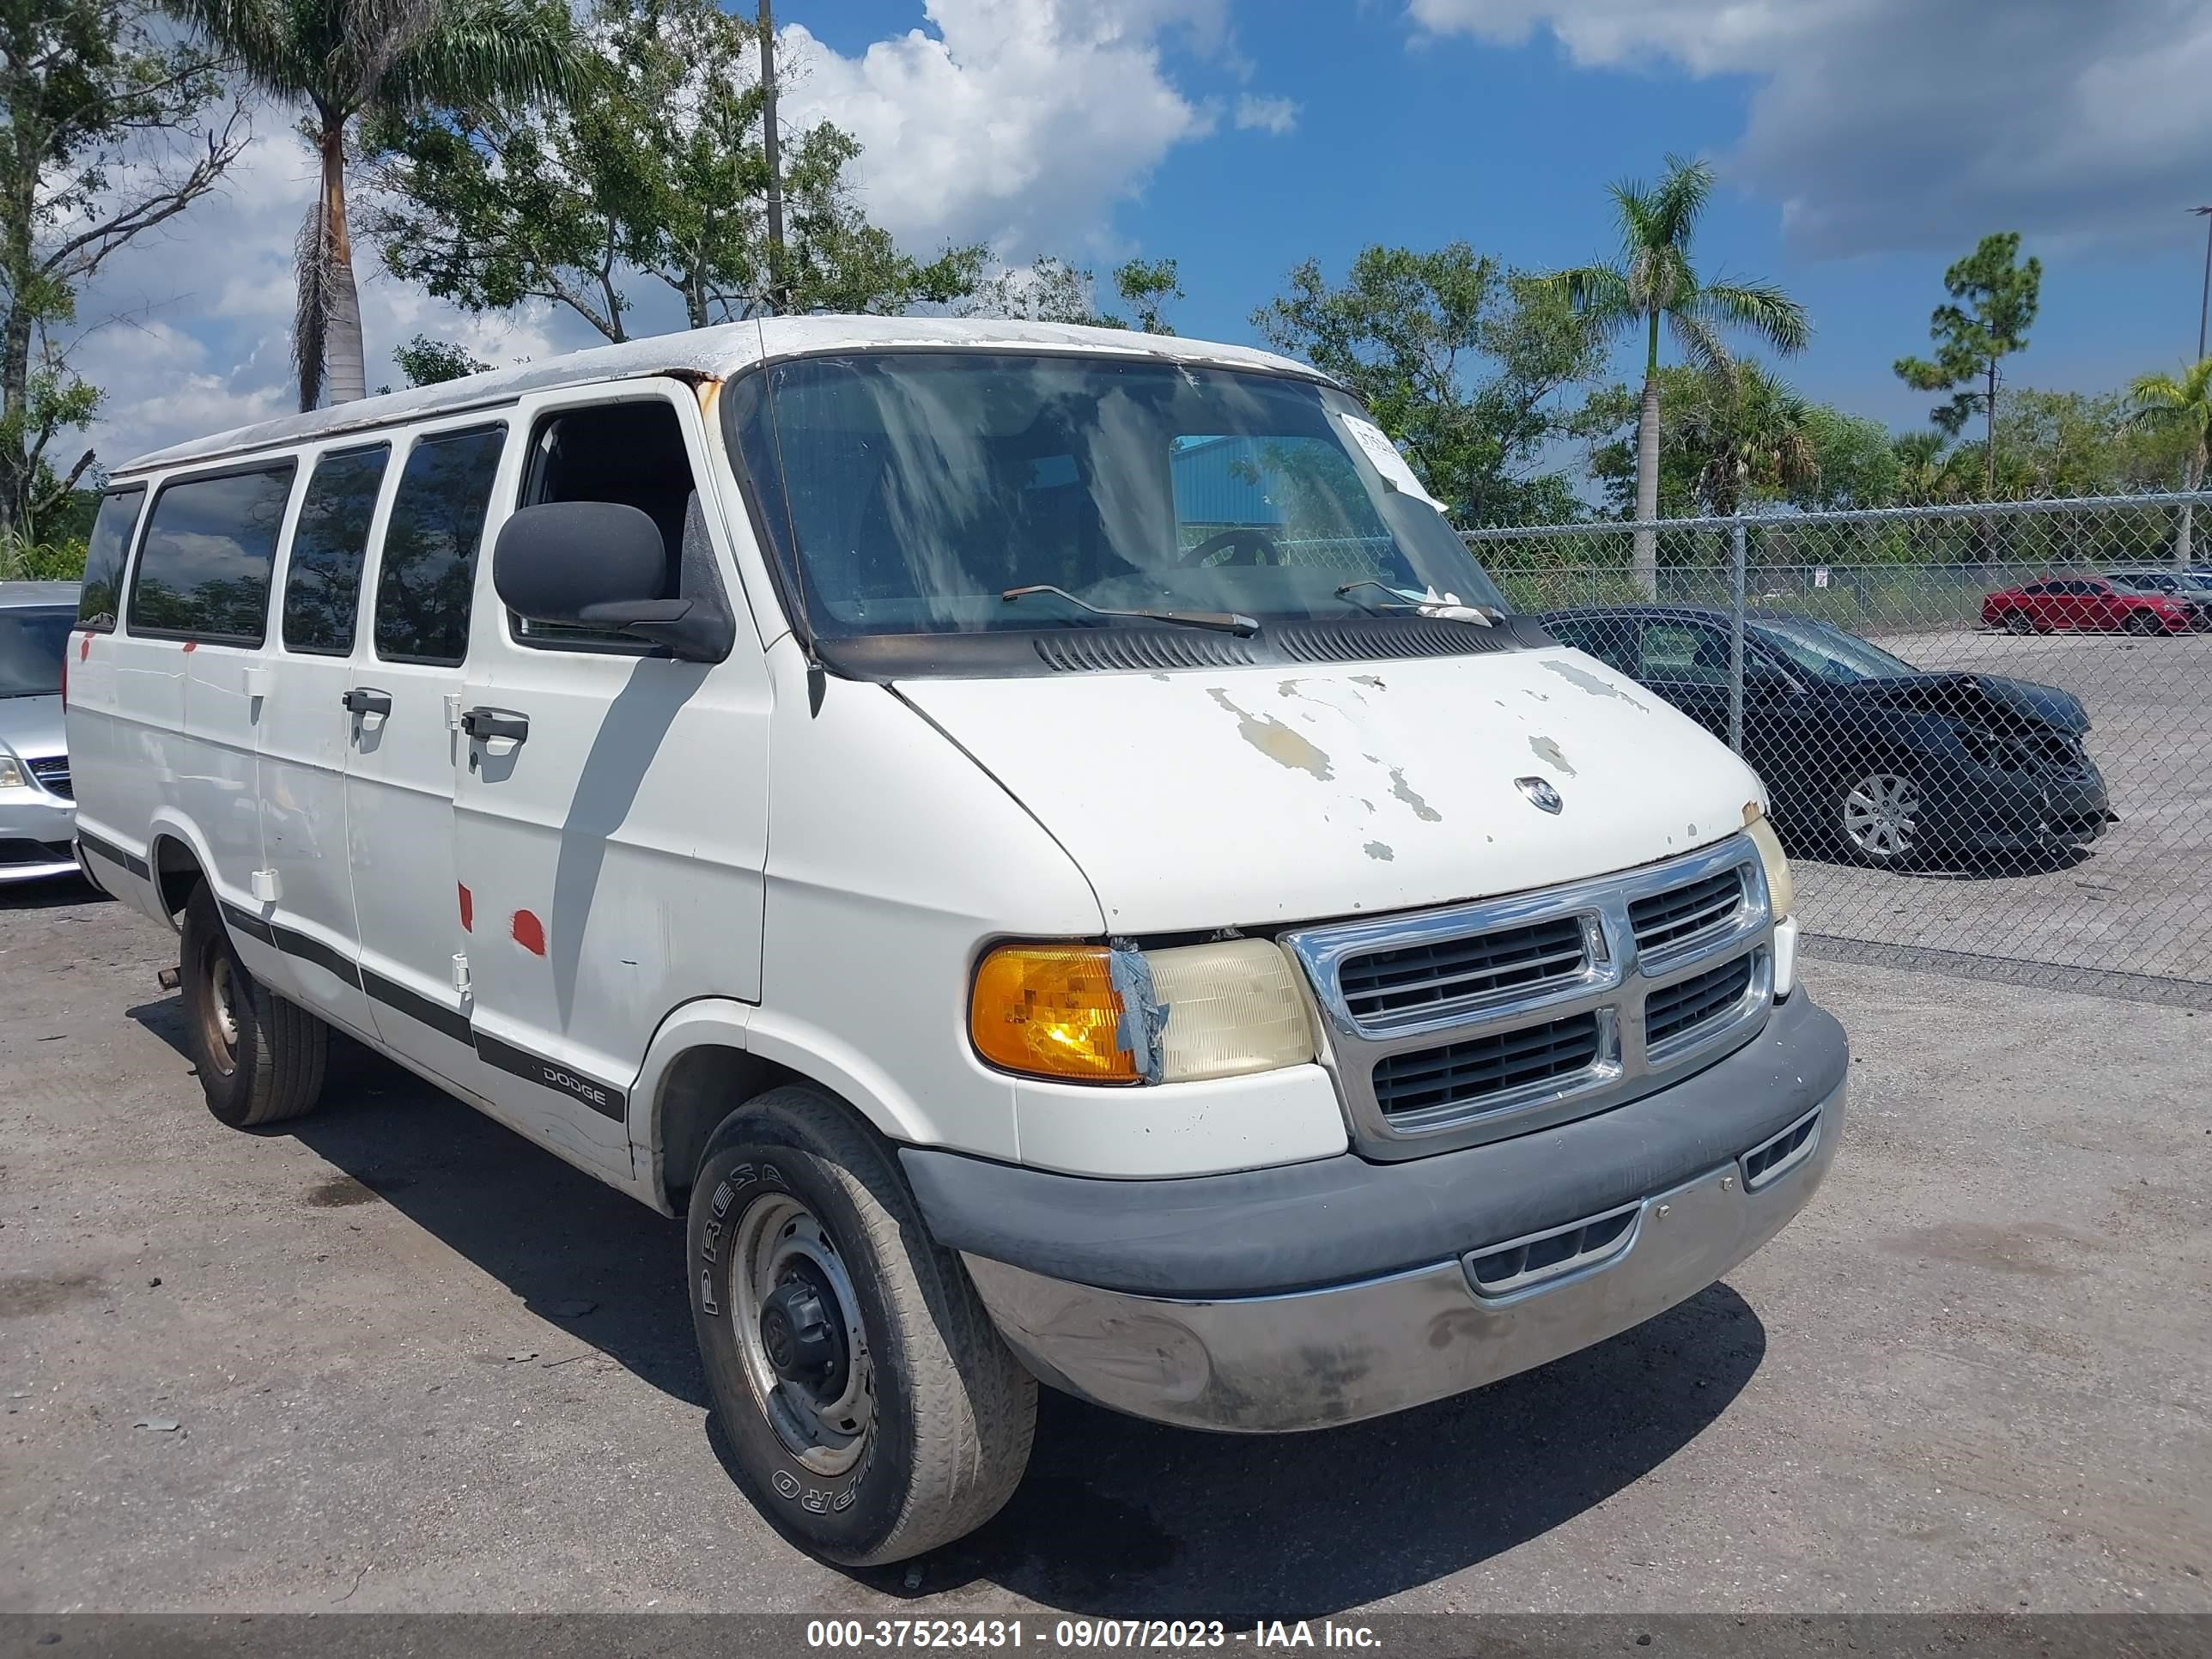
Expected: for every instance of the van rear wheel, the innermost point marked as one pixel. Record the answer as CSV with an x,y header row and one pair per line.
x,y
261,1059
873,1411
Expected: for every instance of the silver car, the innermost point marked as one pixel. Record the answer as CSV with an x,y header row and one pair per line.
x,y
38,812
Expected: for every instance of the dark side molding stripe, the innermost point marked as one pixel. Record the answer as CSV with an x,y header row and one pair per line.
x,y
113,853
604,1098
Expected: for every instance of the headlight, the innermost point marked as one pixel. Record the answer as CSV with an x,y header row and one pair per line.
x,y
11,773
1781,892
1113,1014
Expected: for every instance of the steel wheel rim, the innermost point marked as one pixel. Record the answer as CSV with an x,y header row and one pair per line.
x,y
1881,815
220,1019
775,1235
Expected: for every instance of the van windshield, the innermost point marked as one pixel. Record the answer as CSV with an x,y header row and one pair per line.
x,y
906,492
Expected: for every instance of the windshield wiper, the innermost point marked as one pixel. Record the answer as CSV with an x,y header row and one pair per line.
x,y
1430,605
1222,621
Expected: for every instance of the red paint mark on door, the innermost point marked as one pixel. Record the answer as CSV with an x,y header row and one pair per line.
x,y
84,648
468,909
530,933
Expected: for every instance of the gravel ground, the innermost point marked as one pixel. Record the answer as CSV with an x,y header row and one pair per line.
x,y
399,1359
2140,900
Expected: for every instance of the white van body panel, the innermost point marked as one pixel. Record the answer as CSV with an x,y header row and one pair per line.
x,y
893,862
1249,797
612,859
400,778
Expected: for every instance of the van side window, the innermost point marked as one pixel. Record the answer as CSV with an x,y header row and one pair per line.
x,y
630,453
210,545
428,575
322,583
101,601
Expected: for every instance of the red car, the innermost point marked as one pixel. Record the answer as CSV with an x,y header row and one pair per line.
x,y
2085,605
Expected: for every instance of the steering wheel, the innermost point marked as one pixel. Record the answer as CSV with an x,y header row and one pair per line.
x,y
1248,539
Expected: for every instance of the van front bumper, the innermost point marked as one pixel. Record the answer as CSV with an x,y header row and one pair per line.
x,y
1525,1250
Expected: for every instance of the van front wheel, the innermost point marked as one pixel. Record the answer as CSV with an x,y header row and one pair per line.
x,y
873,1412
260,1058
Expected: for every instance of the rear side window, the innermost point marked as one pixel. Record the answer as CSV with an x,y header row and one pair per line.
x,y
210,545
428,572
322,582
101,602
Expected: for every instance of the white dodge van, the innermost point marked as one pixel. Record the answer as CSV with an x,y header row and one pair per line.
x,y
1040,842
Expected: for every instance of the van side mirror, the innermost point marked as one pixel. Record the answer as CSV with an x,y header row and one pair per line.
x,y
599,565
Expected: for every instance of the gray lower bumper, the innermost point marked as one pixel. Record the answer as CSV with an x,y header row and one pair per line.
x,y
1301,1360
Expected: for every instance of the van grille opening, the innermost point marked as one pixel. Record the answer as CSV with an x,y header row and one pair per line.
x,y
1664,921
1416,979
1551,1255
1459,1076
1682,1007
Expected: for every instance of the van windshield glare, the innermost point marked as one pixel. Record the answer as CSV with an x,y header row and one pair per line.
x,y
906,492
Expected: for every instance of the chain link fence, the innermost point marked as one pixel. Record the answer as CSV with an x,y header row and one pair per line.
x,y
1986,730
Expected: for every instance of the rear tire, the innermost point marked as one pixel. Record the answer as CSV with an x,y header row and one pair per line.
x,y
261,1059
2016,621
2143,622
894,1419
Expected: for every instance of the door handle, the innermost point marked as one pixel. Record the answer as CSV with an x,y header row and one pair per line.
x,y
366,700
483,723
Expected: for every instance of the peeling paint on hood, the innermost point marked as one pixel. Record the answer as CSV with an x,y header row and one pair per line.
x,y
1216,798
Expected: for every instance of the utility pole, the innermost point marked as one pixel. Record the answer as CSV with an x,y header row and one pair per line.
x,y
2205,305
778,292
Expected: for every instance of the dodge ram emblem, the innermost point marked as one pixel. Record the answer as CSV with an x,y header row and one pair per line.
x,y
1540,793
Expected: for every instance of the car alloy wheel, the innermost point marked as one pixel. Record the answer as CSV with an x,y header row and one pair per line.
x,y
1882,817
2016,621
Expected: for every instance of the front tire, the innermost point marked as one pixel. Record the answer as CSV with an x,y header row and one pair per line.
x,y
1876,818
873,1410
261,1059
2144,622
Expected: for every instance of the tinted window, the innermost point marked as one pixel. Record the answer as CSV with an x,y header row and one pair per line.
x,y
1685,652
429,574
102,599
31,647
210,545
322,584
2036,587
1611,640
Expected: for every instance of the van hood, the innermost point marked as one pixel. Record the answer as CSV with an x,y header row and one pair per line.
x,y
1249,797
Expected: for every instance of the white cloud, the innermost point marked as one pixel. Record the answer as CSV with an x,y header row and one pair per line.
x,y
1888,124
189,330
1018,123
1278,116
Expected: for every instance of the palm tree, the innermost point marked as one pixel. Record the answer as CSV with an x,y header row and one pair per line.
x,y
1654,281
343,57
1754,433
2164,400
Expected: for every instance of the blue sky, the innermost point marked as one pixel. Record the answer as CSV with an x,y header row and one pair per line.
x,y
1856,156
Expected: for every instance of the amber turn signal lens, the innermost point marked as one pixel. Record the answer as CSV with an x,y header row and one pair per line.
x,y
1050,1010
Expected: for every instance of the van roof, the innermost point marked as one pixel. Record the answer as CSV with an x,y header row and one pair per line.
x,y
707,354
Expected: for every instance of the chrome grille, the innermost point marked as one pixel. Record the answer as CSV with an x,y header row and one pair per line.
x,y
1421,978
1683,1007
52,772
1448,1027
1665,921
1423,1080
